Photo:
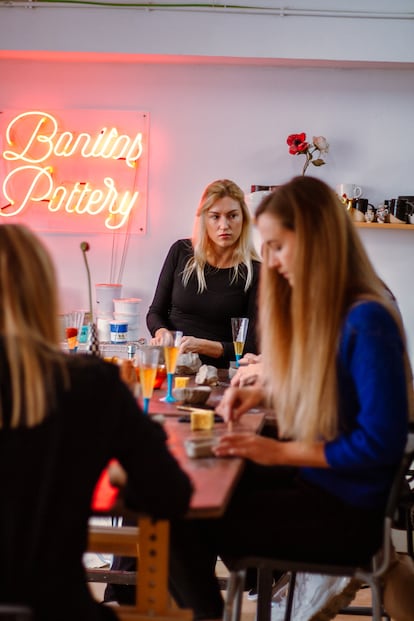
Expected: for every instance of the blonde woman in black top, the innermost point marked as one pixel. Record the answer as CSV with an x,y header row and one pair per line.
x,y
209,279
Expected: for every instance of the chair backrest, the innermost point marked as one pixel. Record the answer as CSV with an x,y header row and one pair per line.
x,y
15,612
399,478
391,511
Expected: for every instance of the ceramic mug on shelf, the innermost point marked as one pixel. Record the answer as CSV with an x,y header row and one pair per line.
x,y
399,210
348,190
361,206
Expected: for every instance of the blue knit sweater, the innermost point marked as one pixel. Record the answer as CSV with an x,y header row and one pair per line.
x,y
373,410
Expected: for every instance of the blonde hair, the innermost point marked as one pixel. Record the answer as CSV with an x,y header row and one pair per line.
x,y
300,325
28,324
244,252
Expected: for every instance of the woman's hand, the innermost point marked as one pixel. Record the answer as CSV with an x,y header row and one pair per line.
x,y
250,359
194,345
191,344
247,375
270,452
264,451
236,401
159,336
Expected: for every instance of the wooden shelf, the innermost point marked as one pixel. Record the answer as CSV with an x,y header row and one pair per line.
x,y
377,225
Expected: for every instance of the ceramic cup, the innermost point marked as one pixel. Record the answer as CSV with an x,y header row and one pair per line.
x,y
348,190
362,205
399,209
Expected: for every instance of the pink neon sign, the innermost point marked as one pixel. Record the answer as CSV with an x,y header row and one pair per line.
x,y
74,170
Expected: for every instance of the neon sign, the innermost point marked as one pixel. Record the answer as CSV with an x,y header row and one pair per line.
x,y
99,175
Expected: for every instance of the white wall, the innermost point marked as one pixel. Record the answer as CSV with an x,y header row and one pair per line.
x,y
209,121
305,29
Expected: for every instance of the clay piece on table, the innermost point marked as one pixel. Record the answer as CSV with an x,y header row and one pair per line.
x,y
188,364
194,395
207,375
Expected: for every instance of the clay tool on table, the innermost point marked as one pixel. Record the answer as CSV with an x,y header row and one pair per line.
x,y
189,408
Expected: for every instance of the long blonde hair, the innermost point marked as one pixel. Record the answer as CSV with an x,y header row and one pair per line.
x,y
244,252
28,324
300,325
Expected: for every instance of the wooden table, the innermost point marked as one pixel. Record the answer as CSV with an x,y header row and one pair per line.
x,y
214,480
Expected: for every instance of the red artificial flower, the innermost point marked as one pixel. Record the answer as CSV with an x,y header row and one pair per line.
x,y
71,332
299,146
297,143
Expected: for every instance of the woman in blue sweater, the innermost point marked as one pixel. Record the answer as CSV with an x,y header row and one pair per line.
x,y
337,375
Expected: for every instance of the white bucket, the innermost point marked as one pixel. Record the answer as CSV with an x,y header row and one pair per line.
x,y
105,294
127,305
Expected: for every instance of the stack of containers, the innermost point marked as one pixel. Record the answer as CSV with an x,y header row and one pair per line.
x,y
105,294
128,310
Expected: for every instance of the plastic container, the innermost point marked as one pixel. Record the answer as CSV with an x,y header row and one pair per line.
x,y
118,331
105,294
114,352
130,319
127,305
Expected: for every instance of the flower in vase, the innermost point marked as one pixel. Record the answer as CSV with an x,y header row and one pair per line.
x,y
298,145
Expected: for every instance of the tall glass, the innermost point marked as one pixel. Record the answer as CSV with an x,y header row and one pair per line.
x,y
147,358
239,327
171,342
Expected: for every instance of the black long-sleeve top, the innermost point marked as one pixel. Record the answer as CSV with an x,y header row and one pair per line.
x,y
208,314
48,475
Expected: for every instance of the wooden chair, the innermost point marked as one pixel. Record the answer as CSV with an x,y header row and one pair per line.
x,y
150,541
371,575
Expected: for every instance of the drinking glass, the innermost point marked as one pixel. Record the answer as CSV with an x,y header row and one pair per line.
x,y
171,342
73,324
147,358
239,327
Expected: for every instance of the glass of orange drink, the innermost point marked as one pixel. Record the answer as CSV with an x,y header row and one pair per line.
x,y
171,342
147,358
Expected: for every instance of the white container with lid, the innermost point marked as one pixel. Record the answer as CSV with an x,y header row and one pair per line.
x,y
119,331
131,320
127,305
105,294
